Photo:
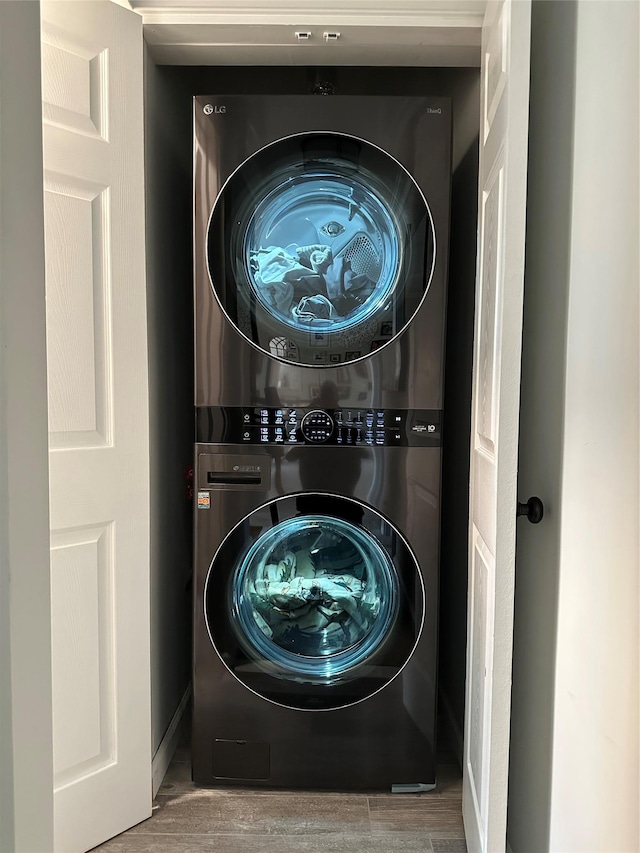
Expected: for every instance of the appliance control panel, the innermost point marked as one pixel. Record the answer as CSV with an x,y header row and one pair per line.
x,y
317,426
373,427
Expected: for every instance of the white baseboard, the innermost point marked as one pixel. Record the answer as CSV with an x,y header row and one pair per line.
x,y
452,726
168,744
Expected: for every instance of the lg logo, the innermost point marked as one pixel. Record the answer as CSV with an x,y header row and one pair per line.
x,y
208,109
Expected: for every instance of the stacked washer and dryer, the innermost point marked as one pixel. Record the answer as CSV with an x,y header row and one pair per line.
x,y
321,240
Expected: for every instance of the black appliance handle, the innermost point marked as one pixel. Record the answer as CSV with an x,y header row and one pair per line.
x,y
230,478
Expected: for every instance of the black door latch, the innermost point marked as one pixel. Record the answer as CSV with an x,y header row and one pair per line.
x,y
533,509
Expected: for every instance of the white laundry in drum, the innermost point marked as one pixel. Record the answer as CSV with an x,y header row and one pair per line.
x,y
322,250
314,587
293,595
309,283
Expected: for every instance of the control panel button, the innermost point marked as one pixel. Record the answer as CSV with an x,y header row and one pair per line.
x,y
317,426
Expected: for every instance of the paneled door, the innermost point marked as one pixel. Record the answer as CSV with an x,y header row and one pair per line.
x,y
98,419
494,424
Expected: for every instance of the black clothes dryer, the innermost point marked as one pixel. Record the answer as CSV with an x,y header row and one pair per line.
x,y
321,241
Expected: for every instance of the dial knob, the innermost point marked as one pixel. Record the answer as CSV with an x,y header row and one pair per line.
x,y
317,426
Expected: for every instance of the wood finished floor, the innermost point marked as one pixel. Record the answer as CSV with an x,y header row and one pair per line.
x,y
187,819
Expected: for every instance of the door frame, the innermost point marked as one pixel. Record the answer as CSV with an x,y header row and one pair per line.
x,y
26,773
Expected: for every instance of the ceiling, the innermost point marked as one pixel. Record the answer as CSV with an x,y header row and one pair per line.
x,y
305,32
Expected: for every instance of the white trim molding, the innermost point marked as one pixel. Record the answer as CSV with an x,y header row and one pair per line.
x,y
413,13
169,743
26,733
453,729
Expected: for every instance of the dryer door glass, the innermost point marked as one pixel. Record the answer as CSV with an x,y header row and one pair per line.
x,y
320,249
314,609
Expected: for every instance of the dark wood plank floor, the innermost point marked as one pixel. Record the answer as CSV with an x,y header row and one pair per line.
x,y
187,819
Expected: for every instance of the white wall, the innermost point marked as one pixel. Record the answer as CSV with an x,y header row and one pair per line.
x,y
594,788
170,341
457,404
551,139
26,752
573,781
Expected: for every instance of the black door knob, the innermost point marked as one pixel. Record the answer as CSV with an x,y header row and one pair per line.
x,y
533,509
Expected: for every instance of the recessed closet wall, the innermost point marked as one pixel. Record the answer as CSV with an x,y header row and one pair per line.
x,y
169,91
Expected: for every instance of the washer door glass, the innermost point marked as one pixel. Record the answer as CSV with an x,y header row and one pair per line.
x,y
320,249
315,596
310,609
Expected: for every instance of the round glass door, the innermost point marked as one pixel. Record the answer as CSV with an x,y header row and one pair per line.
x,y
320,249
314,610
315,596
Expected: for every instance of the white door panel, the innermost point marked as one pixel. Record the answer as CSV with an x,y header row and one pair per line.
x,y
494,425
98,419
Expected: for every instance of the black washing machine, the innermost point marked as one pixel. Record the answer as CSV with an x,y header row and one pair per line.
x,y
321,234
